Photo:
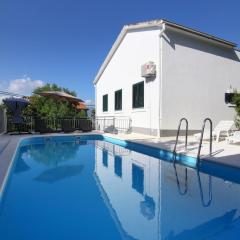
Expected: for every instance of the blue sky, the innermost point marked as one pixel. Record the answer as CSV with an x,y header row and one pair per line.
x,y
65,41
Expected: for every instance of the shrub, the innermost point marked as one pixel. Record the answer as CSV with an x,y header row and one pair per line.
x,y
236,101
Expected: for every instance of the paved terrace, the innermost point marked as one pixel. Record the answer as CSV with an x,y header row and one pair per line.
x,y
224,153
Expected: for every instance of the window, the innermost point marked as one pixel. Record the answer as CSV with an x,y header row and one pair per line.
x,y
137,178
105,158
118,100
105,103
118,166
138,95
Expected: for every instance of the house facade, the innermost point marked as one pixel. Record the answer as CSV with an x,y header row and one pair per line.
x,y
193,72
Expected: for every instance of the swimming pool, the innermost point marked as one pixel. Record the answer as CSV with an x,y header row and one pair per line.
x,y
91,187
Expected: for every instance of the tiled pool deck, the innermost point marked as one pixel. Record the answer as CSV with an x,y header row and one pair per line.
x,y
224,153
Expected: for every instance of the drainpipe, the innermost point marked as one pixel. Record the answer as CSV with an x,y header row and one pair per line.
x,y
160,78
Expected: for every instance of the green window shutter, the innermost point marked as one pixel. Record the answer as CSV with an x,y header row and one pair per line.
x,y
105,103
138,95
118,100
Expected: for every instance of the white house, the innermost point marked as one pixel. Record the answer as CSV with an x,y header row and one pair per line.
x,y
194,70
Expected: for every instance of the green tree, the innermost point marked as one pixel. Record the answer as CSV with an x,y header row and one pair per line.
x,y
45,106
236,101
93,113
54,87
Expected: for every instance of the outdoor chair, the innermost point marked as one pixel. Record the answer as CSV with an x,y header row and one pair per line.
x,y
235,138
83,124
223,129
41,126
86,125
67,126
18,123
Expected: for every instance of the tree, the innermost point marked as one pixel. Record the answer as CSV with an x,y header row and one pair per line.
x,y
43,106
54,87
93,113
236,101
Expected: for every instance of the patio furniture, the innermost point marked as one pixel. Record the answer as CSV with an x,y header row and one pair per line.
x,y
16,121
235,138
83,124
223,128
20,124
68,126
41,126
86,125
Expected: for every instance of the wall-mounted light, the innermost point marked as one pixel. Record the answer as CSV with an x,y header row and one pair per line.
x,y
229,95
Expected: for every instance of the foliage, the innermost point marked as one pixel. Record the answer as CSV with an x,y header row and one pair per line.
x,y
62,152
93,113
236,101
43,106
54,87
2,106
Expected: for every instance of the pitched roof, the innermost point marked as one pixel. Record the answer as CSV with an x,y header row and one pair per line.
x,y
81,106
157,23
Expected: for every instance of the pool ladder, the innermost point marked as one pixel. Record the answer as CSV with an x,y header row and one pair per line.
x,y
184,190
201,139
178,132
205,203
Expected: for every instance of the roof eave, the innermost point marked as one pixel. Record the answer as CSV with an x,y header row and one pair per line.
x,y
118,41
200,34
151,24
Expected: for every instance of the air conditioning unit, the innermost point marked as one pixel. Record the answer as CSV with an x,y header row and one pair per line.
x,y
148,70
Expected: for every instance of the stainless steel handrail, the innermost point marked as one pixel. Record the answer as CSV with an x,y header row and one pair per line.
x,y
201,139
178,132
174,156
204,202
184,191
113,124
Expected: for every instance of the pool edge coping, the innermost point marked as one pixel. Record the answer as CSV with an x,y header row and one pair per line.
x,y
21,138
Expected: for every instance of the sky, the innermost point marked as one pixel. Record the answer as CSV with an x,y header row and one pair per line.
x,y
66,41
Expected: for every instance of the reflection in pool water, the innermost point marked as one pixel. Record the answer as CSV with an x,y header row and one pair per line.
x,y
53,153
137,178
159,200
118,165
147,207
59,173
97,190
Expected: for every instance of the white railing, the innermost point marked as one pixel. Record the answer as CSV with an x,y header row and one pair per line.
x,y
112,148
113,124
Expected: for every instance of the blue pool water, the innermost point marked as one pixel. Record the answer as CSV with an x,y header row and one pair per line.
x,y
93,189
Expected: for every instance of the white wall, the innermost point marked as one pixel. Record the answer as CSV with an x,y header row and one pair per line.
x,y
124,69
196,75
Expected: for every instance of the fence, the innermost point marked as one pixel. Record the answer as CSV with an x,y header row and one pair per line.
x,y
3,121
47,125
113,124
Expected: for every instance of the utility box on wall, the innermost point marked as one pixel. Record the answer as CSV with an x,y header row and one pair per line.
x,y
148,70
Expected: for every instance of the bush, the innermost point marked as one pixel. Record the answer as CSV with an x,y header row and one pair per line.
x,y
41,106
236,101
